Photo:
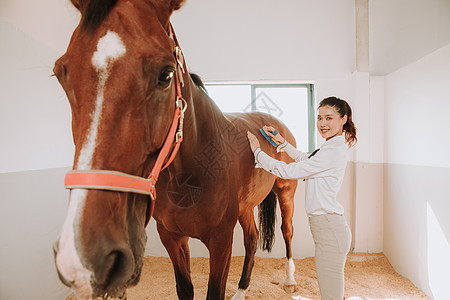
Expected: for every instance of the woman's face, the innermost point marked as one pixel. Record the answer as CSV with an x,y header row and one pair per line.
x,y
329,122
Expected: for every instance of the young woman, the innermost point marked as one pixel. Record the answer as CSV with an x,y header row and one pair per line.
x,y
323,172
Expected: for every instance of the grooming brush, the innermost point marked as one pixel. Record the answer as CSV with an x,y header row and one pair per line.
x,y
268,137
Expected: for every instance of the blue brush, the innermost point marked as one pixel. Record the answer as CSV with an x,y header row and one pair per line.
x,y
268,137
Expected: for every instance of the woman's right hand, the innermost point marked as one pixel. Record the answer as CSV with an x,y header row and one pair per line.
x,y
277,137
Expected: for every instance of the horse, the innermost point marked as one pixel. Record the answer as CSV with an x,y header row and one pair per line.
x,y
150,142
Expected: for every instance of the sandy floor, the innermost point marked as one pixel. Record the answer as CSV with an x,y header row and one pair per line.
x,y
366,277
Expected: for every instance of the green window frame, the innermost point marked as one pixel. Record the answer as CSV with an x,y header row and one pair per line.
x,y
253,97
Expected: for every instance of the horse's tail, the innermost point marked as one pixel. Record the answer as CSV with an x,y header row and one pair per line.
x,y
267,218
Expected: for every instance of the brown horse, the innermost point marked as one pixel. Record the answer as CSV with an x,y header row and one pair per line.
x,y
123,83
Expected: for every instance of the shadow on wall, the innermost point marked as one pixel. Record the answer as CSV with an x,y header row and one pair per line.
x,y
438,247
417,226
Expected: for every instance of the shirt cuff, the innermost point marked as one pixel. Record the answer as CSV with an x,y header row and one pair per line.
x,y
281,146
256,153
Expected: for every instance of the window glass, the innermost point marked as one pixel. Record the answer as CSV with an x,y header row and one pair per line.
x,y
230,98
291,103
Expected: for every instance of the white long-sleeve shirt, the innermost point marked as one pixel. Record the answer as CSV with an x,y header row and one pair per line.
x,y
324,173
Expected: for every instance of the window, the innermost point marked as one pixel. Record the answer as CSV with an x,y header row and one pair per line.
x,y
291,103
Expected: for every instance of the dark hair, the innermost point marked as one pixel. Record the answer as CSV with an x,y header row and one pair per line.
x,y
94,12
343,109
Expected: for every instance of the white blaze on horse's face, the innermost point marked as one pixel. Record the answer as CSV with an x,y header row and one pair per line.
x,y
67,260
109,48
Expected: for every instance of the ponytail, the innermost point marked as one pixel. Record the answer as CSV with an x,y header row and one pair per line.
x,y
343,109
350,132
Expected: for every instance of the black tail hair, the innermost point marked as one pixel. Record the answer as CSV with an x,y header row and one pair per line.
x,y
267,220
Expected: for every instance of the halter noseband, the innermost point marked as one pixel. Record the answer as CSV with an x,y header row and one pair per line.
x,y
122,182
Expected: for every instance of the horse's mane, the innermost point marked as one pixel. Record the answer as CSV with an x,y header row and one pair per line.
x,y
198,81
95,11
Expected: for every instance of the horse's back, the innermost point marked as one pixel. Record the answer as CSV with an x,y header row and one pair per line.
x,y
253,121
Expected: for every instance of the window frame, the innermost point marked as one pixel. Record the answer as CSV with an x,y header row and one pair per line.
x,y
262,84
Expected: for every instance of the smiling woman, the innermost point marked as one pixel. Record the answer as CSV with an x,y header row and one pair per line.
x,y
335,118
323,172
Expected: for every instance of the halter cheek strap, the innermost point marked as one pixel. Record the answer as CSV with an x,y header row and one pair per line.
x,y
122,182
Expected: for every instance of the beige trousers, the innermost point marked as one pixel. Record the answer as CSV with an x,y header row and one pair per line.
x,y
332,239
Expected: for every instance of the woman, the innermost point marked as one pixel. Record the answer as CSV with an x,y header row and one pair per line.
x,y
323,172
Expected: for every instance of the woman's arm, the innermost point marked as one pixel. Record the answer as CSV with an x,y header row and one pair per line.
x,y
294,153
283,145
308,168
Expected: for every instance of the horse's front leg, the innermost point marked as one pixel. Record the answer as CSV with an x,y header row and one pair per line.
x,y
219,245
178,248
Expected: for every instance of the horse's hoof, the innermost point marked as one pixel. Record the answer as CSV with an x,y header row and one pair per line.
x,y
290,288
124,296
299,298
107,297
240,295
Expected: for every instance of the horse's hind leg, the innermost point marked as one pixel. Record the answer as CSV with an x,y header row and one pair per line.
x,y
285,190
248,225
178,249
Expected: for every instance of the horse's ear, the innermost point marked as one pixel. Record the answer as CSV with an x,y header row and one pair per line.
x,y
77,3
177,4
165,8
171,5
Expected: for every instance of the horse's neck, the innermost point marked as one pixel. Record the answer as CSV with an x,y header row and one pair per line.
x,y
208,117
203,123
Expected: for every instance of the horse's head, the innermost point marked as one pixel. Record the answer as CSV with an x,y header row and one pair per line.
x,y
118,76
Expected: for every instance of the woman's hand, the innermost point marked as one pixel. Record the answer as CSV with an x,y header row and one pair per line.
x,y
277,138
254,143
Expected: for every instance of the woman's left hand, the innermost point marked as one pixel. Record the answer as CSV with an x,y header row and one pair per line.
x,y
254,143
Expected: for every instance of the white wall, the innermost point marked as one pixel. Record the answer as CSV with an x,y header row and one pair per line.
x,y
35,135
50,22
417,174
417,99
410,46
403,31
34,113
251,40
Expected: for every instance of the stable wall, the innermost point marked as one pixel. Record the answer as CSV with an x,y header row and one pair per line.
x,y
410,53
417,172
35,139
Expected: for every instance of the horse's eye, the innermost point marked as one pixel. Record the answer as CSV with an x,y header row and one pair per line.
x,y
165,77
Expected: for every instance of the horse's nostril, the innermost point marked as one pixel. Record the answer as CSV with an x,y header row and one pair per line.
x,y
115,266
116,270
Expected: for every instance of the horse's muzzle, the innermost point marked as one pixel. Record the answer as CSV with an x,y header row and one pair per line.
x,y
111,272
